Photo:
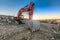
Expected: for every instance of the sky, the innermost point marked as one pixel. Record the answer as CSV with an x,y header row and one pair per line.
x,y
43,9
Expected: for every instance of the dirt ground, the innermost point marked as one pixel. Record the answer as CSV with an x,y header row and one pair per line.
x,y
21,32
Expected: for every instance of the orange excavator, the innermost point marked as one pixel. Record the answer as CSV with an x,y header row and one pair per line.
x,y
28,8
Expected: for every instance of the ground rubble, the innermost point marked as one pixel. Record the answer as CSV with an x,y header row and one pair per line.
x,y
23,33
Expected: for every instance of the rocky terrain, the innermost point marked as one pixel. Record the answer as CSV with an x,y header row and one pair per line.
x,y
21,32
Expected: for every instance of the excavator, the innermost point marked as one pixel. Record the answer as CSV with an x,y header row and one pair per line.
x,y
28,8
33,25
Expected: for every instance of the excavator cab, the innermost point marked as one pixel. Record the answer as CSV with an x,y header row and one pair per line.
x,y
19,20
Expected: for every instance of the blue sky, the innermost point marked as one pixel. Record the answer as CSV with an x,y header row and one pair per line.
x,y
41,7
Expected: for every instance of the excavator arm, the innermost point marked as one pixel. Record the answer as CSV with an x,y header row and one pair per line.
x,y
28,8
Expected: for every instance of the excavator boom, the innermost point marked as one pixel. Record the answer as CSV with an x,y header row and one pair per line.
x,y
28,8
